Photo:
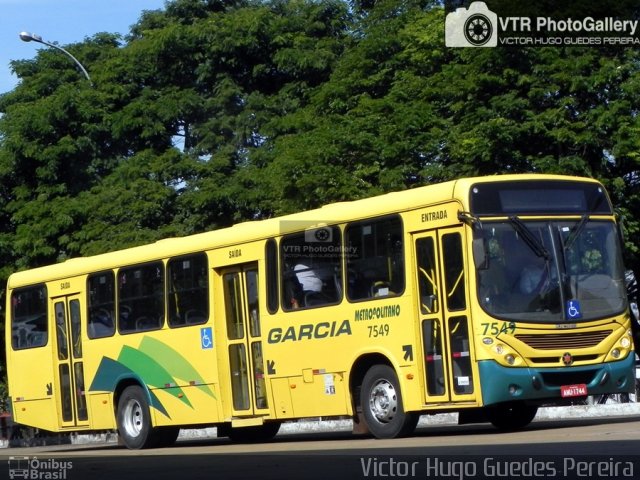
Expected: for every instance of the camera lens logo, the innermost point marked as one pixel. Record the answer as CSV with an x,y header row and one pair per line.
x,y
473,27
322,234
478,29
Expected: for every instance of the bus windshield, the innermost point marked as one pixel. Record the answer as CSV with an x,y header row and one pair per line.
x,y
551,271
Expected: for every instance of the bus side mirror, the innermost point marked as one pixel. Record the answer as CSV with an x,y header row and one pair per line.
x,y
480,257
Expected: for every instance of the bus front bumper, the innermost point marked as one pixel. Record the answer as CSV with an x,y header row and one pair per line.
x,y
505,384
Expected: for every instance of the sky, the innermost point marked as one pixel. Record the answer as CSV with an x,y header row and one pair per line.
x,y
62,22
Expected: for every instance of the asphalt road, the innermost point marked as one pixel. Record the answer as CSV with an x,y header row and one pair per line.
x,y
567,449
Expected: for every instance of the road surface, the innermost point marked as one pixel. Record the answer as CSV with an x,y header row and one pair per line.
x,y
588,448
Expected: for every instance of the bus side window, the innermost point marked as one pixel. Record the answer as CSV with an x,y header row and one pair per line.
x,y
454,271
141,298
271,267
101,300
375,258
311,268
29,317
188,290
427,275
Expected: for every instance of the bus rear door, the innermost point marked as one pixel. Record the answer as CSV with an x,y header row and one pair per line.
x,y
244,340
69,365
444,316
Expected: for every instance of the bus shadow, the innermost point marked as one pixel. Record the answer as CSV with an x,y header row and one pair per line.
x,y
424,431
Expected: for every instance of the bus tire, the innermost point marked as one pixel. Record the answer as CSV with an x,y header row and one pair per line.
x,y
134,419
381,402
511,415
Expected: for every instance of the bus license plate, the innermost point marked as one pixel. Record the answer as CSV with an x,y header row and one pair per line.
x,y
579,390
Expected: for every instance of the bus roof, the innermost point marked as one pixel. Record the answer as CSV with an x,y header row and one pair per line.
x,y
333,213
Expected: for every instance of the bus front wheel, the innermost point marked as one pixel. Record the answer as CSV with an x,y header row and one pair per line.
x,y
134,419
511,415
381,403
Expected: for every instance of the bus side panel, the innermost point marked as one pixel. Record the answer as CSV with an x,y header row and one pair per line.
x,y
320,392
33,392
101,411
173,365
187,405
282,405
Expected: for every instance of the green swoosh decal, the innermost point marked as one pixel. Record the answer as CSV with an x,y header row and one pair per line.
x,y
154,363
110,372
151,372
176,364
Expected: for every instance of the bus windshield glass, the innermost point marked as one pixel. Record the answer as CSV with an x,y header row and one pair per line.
x,y
551,271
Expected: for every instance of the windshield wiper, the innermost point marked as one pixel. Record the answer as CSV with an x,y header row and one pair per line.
x,y
575,231
529,238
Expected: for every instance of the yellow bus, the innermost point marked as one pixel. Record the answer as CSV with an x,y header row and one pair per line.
x,y
486,296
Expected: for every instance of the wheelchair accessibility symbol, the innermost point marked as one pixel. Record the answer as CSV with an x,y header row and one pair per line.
x,y
206,338
573,309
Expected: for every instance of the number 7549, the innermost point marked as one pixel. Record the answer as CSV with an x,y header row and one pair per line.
x,y
496,328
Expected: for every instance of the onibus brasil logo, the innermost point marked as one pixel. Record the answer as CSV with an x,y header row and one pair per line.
x,y
35,469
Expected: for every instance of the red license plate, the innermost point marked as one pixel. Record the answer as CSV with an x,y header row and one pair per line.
x,y
579,390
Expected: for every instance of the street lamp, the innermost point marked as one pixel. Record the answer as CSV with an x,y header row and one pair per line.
x,y
28,37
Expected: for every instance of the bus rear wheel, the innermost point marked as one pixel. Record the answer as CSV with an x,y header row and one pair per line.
x,y
381,403
134,419
511,415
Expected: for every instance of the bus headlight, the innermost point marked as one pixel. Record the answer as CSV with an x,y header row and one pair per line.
x,y
499,349
510,359
615,353
625,342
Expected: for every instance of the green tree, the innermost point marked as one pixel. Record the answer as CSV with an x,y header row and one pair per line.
x,y
401,109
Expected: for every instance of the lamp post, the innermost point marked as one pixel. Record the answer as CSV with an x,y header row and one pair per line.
x,y
28,37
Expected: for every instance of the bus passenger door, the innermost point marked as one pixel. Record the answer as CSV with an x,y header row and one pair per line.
x,y
444,318
70,388
244,341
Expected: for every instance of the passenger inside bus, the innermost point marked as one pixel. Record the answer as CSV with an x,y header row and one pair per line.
x,y
532,279
525,270
311,268
293,296
313,285
308,278
513,274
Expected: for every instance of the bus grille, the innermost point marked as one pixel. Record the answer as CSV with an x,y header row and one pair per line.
x,y
557,341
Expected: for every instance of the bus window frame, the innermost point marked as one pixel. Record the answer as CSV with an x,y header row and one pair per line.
x,y
402,256
115,304
162,321
284,272
272,275
168,292
43,287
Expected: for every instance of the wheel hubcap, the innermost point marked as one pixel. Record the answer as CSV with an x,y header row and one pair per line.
x,y
133,418
383,401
